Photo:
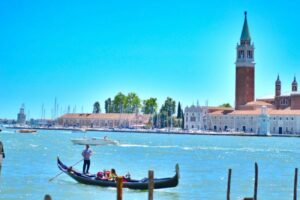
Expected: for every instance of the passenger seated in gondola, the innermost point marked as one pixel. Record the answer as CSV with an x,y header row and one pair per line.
x,y
113,175
100,175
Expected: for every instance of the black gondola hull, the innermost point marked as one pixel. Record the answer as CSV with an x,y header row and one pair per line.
x,y
131,184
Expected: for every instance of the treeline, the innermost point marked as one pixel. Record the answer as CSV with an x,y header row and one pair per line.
x,y
166,116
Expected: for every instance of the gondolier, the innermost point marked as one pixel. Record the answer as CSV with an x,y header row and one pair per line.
x,y
86,154
2,155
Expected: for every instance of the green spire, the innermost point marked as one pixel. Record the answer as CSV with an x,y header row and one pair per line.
x,y
278,78
295,81
245,33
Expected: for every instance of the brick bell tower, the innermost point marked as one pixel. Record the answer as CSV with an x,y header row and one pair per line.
x,y
245,68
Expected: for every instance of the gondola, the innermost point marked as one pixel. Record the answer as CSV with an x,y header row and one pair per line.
x,y
91,179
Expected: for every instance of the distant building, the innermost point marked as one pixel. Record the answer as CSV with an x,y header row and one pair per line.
x,y
21,118
288,100
252,121
196,117
104,120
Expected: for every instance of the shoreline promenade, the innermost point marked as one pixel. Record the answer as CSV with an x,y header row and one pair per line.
x,y
157,131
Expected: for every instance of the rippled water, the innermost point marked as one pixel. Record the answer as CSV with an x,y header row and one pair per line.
x,y
204,162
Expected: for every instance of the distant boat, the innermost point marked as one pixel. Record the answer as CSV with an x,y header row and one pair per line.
x,y
27,131
94,141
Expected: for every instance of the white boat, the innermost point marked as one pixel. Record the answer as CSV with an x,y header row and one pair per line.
x,y
94,141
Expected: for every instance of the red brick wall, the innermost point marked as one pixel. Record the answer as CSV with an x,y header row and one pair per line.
x,y
295,102
284,99
244,86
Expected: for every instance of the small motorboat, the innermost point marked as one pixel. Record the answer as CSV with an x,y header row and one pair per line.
x,y
27,131
92,179
94,141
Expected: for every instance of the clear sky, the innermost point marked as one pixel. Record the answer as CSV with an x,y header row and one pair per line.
x,y
83,51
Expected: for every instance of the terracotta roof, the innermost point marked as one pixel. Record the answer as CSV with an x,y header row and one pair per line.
x,y
219,108
258,103
107,116
258,112
284,112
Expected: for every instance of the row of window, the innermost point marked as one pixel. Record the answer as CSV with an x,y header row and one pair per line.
x,y
284,102
274,118
280,130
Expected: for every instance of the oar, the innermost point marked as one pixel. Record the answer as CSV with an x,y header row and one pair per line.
x,y
51,179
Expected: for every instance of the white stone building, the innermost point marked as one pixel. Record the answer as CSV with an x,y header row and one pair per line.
x,y
196,117
261,119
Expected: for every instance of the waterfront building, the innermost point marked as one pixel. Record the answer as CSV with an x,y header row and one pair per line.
x,y
104,120
21,118
196,117
252,121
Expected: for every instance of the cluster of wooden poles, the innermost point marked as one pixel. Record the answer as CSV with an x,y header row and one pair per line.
x,y
151,185
256,184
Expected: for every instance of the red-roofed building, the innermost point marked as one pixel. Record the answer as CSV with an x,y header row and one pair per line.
x,y
104,120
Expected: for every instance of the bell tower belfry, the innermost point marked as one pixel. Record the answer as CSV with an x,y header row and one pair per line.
x,y
245,68
277,87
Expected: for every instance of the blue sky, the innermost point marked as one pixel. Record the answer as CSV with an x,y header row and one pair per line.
x,y
83,51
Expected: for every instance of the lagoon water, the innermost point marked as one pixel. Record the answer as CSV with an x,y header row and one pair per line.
x,y
204,162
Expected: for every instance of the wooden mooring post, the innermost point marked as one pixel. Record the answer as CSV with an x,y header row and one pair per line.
x,y
150,184
255,182
255,185
295,183
119,187
228,184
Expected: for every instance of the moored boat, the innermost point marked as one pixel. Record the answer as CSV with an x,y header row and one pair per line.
x,y
27,131
91,179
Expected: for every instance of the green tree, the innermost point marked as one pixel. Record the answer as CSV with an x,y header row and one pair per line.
x,y
96,107
179,111
118,104
169,106
132,103
226,105
150,106
166,112
108,105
